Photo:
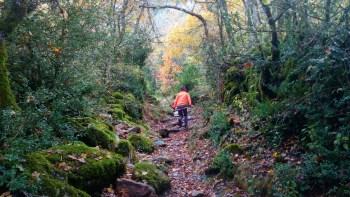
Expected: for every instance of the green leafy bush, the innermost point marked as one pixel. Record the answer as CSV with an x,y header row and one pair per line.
x,y
60,69
188,77
222,164
285,181
219,126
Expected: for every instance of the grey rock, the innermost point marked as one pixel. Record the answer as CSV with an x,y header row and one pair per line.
x,y
134,189
164,133
196,193
135,130
163,159
160,143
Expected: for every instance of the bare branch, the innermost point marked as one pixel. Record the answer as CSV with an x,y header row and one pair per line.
x,y
198,16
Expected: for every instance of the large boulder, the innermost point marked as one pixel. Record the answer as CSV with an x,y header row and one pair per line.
x,y
73,170
95,132
141,143
132,188
150,174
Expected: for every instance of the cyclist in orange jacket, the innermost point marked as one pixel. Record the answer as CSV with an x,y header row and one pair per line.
x,y
181,102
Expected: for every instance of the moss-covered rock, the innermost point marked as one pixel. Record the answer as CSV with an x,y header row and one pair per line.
x,y
126,149
149,173
73,170
141,143
117,112
125,104
54,187
95,132
117,95
233,148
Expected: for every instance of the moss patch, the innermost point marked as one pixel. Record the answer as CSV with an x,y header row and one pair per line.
x,y
150,174
126,149
141,143
95,132
117,112
125,104
73,169
233,148
7,99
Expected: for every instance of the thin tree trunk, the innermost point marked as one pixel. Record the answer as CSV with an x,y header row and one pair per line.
x,y
275,51
226,19
220,24
327,11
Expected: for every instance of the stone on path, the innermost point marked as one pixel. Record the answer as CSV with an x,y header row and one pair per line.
x,y
134,130
164,133
130,188
160,143
196,193
163,159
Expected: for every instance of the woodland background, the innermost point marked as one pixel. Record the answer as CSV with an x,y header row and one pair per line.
x,y
280,65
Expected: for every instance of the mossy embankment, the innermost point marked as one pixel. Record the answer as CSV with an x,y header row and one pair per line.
x,y
73,170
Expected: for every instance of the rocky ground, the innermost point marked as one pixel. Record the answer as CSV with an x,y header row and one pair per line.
x,y
189,155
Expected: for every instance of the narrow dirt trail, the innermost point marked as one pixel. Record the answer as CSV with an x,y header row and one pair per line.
x,y
188,157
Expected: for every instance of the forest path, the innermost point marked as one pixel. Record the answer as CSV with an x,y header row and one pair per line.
x,y
189,156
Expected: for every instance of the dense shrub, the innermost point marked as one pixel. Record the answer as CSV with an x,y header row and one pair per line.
x,y
219,127
285,181
222,164
61,67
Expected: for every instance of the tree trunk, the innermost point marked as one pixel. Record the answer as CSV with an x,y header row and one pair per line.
x,y
13,13
327,9
275,52
254,39
226,19
267,78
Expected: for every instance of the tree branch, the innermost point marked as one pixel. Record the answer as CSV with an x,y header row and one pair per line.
x,y
198,16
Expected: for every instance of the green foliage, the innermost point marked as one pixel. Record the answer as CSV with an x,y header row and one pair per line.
x,y
233,82
303,96
219,126
222,163
188,77
124,105
149,173
136,48
260,186
60,69
325,171
285,181
141,143
128,78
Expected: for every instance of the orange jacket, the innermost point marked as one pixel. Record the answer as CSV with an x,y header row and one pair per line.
x,y
182,99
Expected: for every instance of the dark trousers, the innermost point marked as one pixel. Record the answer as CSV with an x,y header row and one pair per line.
x,y
183,120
